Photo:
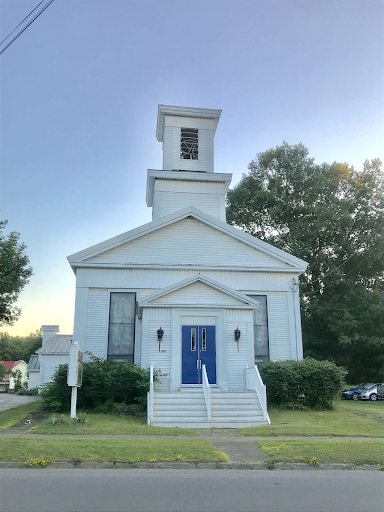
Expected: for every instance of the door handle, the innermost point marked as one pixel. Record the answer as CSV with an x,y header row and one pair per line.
x,y
198,364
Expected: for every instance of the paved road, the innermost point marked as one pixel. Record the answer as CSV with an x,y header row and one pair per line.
x,y
8,401
86,490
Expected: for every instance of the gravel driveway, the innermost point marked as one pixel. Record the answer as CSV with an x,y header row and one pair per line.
x,y
8,401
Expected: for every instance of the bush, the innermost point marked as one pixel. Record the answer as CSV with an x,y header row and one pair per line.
x,y
301,384
29,392
105,383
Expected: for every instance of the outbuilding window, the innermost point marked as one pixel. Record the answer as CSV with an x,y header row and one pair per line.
x,y
189,144
121,336
260,326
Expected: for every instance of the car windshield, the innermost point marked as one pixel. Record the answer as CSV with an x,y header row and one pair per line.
x,y
368,385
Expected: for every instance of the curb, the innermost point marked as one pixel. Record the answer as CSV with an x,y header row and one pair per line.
x,y
195,465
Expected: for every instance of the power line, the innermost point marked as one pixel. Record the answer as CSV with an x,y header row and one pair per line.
x,y
22,21
25,28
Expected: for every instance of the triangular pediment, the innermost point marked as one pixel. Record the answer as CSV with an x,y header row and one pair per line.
x,y
187,238
198,291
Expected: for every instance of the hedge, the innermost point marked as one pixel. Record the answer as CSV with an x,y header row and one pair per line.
x,y
105,383
300,384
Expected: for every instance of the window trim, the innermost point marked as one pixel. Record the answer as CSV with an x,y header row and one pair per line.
x,y
265,294
121,290
181,135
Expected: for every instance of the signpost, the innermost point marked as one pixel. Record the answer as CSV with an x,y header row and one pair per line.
x,y
75,373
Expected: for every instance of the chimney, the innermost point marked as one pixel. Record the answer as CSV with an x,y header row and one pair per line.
x,y
48,332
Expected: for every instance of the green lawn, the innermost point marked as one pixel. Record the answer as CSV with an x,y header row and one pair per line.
x,y
349,418
131,450
12,416
107,424
325,450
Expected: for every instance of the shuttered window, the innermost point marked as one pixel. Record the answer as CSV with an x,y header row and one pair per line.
x,y
260,326
121,336
189,144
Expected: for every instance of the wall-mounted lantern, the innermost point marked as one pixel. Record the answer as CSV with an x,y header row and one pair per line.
x,y
160,334
237,337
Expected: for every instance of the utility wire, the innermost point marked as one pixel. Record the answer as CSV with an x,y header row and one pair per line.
x,y
22,21
25,28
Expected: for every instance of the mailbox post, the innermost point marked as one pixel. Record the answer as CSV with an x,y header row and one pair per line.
x,y
75,373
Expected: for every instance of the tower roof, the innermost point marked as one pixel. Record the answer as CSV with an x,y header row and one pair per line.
x,y
206,113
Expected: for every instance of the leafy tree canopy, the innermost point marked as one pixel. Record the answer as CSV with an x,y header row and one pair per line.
x,y
13,348
14,274
331,216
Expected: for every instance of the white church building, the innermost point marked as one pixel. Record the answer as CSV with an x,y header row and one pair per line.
x,y
189,295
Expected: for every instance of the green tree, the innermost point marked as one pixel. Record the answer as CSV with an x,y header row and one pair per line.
x,y
13,348
14,274
3,371
331,216
17,376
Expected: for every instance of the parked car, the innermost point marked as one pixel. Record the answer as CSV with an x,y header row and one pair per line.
x,y
373,392
353,394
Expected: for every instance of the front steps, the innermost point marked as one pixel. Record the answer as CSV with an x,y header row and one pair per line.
x,y
186,409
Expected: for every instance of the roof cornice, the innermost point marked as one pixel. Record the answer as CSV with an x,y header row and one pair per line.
x,y
170,110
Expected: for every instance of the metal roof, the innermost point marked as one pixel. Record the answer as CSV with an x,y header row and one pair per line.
x,y
34,364
58,344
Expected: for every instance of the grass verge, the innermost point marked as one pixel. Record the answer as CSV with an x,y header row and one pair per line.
x,y
107,424
348,418
131,450
347,451
12,416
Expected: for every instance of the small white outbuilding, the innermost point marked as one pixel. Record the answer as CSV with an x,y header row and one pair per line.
x,y
187,293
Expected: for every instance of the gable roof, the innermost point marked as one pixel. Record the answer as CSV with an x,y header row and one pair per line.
x,y
286,261
199,296
10,365
58,344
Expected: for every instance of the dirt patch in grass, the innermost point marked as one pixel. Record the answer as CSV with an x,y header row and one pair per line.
x,y
15,415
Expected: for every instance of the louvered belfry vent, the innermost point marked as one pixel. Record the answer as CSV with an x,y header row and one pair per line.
x,y
189,146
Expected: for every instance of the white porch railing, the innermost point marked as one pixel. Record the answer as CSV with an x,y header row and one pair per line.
x,y
255,383
150,396
207,392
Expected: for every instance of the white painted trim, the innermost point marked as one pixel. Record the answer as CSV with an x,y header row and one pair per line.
x,y
146,266
170,110
177,315
291,325
210,177
249,303
145,341
199,215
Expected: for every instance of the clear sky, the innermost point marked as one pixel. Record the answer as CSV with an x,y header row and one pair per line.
x,y
79,95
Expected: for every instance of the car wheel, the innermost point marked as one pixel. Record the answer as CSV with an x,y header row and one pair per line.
x,y
373,397
355,396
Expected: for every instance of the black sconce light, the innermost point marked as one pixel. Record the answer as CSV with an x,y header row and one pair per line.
x,y
160,334
237,337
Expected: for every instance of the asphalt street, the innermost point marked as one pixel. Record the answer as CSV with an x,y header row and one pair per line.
x,y
9,400
139,490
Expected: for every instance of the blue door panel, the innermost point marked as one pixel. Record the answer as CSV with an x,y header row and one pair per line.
x,y
198,348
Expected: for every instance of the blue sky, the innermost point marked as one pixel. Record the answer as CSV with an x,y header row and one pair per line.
x,y
79,95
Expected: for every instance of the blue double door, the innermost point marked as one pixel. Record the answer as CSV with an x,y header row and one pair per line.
x,y
198,348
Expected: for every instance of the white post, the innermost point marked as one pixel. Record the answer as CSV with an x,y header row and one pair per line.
x,y
73,401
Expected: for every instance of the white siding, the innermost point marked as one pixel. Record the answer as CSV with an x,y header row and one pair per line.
x,y
33,380
174,201
237,357
171,149
97,322
187,242
198,293
278,321
153,279
161,360
49,364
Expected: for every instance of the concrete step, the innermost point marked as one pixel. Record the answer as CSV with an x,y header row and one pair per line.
x,y
210,424
235,407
